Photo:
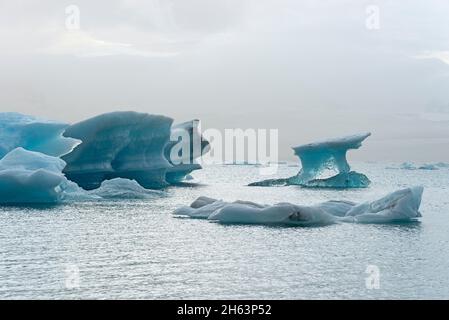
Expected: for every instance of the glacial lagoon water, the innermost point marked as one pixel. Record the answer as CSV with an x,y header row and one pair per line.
x,y
137,249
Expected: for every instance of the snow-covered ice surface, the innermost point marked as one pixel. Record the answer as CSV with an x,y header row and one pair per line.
x,y
136,248
318,158
399,206
34,134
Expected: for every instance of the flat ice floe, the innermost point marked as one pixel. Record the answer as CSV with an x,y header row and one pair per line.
x,y
326,155
399,206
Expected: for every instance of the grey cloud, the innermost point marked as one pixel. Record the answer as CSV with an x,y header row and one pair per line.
x,y
310,68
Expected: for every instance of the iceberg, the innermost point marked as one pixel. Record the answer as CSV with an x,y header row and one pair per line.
x,y
399,206
442,165
424,166
46,161
349,179
328,155
120,188
428,166
34,134
187,135
128,145
31,177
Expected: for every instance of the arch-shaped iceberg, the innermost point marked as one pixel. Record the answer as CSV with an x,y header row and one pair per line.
x,y
130,145
325,155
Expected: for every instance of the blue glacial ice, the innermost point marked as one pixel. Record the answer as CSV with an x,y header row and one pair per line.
x,y
31,177
424,166
324,156
184,137
47,162
127,145
34,134
399,206
119,188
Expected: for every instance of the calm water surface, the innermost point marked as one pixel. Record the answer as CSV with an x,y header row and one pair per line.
x,y
138,249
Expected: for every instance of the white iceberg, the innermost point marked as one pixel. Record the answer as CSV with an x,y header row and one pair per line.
x,y
399,206
34,134
319,157
31,177
127,145
120,188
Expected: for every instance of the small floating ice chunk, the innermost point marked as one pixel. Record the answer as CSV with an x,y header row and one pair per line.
x,y
119,188
349,179
424,166
428,166
442,165
31,177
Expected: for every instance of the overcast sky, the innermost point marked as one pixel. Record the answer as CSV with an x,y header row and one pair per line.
x,y
313,69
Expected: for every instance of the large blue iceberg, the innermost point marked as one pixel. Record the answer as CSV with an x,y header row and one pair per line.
x,y
34,134
319,157
399,206
46,161
128,145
